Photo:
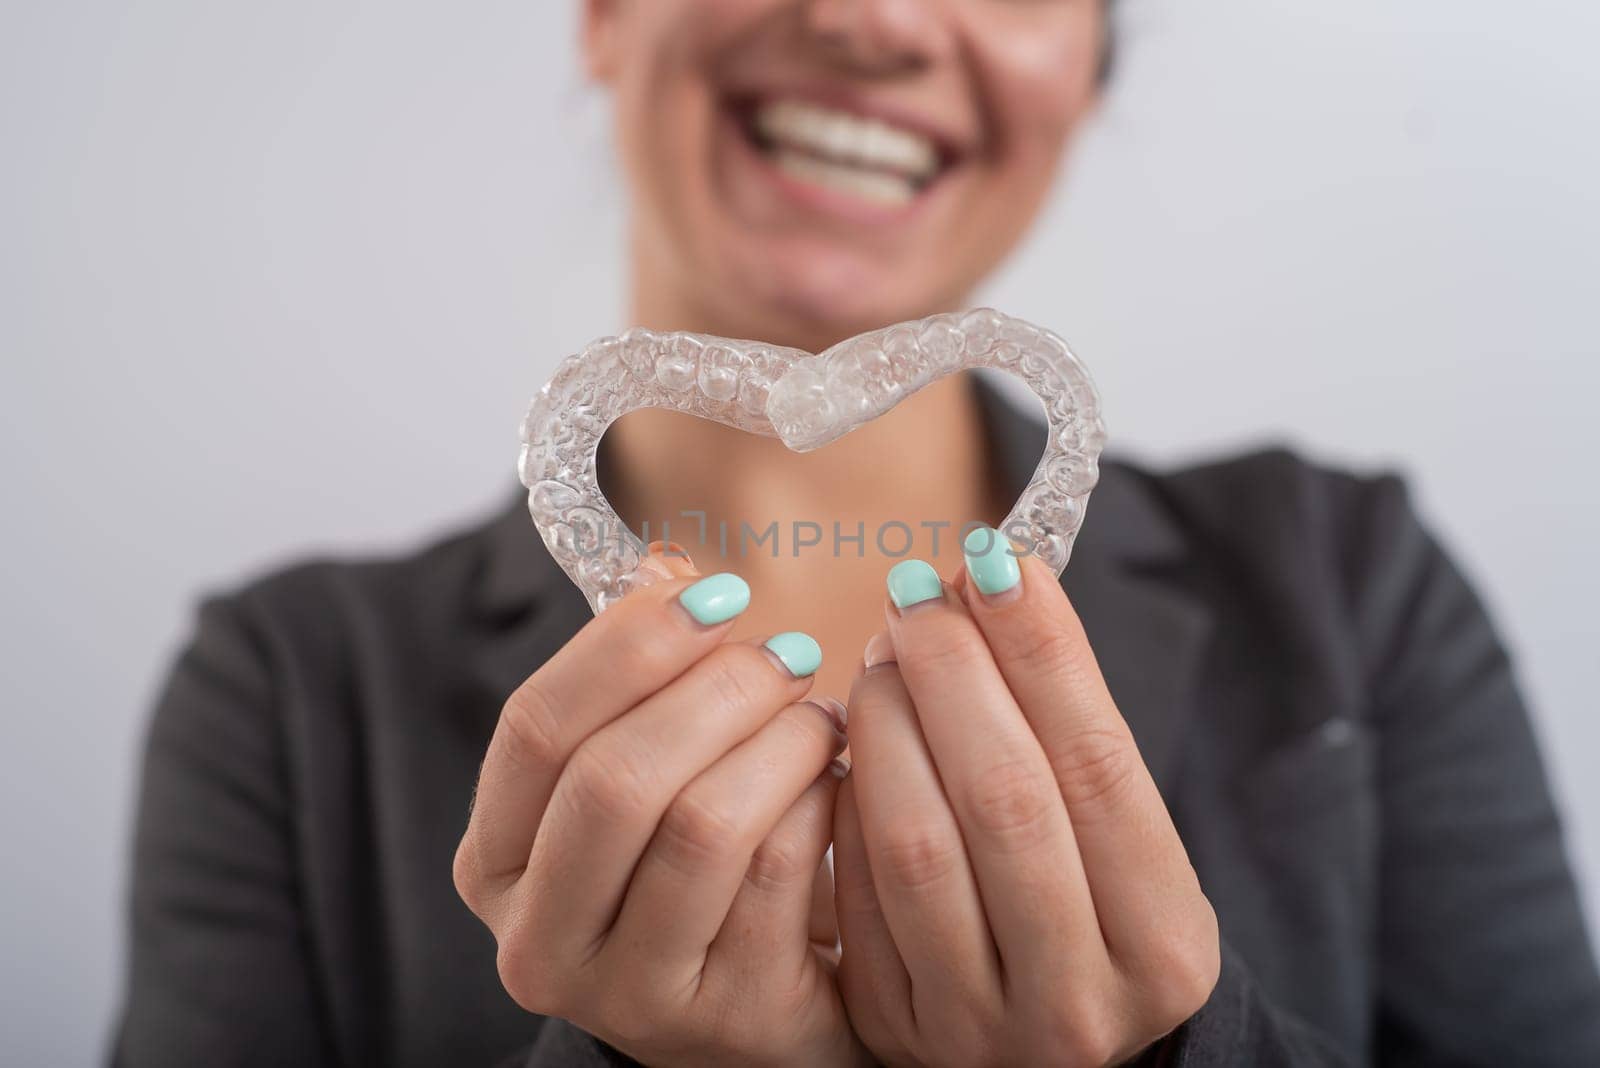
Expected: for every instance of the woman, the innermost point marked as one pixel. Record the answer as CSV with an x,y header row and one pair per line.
x,y
1252,786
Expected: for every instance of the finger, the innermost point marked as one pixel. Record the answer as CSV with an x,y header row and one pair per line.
x,y
872,976
998,781
716,836
611,796
1135,862
767,930
919,865
615,661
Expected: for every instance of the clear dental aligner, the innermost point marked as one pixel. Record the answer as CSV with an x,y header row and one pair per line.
x,y
806,401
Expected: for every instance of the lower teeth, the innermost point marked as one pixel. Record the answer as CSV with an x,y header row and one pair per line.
x,y
875,186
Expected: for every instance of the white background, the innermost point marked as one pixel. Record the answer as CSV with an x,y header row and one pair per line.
x,y
280,277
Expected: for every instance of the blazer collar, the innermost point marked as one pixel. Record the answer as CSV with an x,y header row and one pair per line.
x,y
1147,631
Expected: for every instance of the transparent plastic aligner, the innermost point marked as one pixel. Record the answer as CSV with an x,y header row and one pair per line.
x,y
805,400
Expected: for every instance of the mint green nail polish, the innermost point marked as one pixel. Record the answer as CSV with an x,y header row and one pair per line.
x,y
716,598
990,561
799,652
912,582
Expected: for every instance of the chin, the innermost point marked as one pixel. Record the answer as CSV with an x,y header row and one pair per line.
x,y
810,298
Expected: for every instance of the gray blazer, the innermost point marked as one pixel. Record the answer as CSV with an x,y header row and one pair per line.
x,y
1316,689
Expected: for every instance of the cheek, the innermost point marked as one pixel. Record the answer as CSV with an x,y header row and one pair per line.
x,y
1037,86
661,55
664,96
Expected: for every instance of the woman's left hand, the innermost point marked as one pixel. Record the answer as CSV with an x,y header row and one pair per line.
x,y
1010,887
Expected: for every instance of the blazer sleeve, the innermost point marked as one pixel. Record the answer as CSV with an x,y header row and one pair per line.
x,y
1482,956
218,961
221,968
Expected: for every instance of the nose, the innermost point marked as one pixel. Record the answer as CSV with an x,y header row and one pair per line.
x,y
878,36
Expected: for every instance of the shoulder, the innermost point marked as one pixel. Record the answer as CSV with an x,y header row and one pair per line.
x,y
325,602
1342,553
1271,492
302,659
1282,509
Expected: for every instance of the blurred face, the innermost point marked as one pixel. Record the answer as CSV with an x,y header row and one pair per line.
x,y
802,170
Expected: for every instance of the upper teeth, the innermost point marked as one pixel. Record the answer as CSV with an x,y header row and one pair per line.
x,y
847,138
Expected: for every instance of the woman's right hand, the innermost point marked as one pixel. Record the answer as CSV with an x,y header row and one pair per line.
x,y
649,822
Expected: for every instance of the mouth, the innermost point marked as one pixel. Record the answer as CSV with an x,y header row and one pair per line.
x,y
843,154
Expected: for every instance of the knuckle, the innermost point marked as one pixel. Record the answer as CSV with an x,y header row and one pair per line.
x,y
1090,1038
467,874
1048,651
914,857
734,682
532,728
525,975
777,865
695,833
804,729
1013,801
1094,768
609,784
1186,973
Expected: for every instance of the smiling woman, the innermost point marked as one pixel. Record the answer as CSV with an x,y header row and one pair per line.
x,y
841,165
1251,784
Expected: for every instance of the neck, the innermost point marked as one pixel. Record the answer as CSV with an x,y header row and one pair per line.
x,y
660,301
922,462
815,533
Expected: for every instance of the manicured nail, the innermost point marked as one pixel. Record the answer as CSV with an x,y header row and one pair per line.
x,y
799,652
716,598
879,650
833,711
913,582
990,561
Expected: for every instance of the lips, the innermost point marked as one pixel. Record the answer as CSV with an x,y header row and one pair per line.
x,y
868,158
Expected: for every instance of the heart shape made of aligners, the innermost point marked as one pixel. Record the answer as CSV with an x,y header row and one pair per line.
x,y
804,400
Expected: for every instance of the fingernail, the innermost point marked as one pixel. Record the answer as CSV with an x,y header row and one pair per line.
x,y
672,555
913,582
990,561
798,651
657,566
838,767
716,598
879,650
833,711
